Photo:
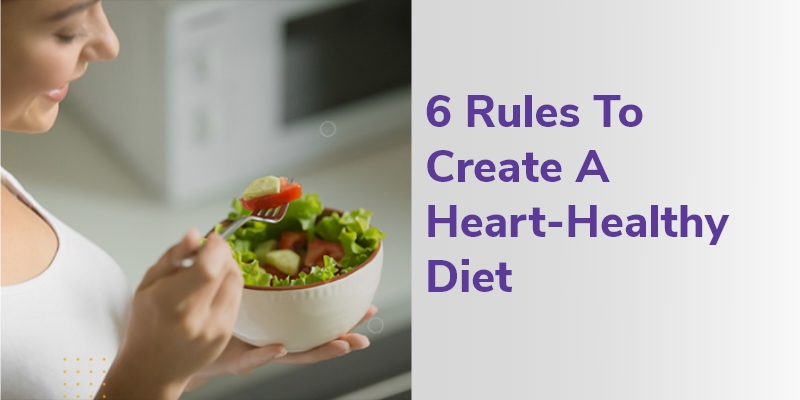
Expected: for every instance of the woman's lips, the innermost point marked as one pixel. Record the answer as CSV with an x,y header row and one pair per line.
x,y
58,94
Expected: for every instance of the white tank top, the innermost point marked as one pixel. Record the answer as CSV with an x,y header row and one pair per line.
x,y
61,329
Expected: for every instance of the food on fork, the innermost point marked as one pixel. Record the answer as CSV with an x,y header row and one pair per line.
x,y
270,192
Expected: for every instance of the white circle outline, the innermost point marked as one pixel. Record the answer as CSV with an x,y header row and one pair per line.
x,y
323,124
369,325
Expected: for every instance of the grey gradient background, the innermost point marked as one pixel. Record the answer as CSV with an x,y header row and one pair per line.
x,y
615,318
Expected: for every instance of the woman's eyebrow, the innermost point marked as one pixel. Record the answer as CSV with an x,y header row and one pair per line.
x,y
72,10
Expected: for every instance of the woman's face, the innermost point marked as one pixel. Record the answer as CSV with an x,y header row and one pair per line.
x,y
46,44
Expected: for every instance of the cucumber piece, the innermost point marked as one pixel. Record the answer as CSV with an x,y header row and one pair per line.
x,y
262,187
264,248
285,261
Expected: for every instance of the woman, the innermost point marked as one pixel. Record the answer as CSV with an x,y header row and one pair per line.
x,y
62,297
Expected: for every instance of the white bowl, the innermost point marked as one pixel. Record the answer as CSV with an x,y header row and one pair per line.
x,y
304,317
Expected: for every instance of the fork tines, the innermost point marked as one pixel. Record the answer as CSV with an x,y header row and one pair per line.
x,y
272,213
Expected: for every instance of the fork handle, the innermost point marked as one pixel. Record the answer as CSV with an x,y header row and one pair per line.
x,y
189,260
234,226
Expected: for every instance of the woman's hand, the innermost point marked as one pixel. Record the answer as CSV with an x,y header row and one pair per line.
x,y
181,320
240,358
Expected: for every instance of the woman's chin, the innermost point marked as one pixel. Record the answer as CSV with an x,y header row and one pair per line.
x,y
33,121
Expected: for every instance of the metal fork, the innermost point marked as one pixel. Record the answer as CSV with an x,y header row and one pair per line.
x,y
270,216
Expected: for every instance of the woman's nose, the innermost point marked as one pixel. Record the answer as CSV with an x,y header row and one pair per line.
x,y
104,44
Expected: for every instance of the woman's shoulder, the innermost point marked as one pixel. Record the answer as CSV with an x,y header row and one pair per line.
x,y
75,255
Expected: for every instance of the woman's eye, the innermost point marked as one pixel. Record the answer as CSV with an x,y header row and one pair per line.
x,y
66,38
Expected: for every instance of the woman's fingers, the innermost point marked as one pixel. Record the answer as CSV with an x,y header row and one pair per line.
x,y
258,356
226,301
356,341
333,349
201,281
327,351
195,383
339,347
166,264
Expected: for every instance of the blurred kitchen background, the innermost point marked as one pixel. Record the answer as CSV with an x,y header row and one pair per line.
x,y
206,96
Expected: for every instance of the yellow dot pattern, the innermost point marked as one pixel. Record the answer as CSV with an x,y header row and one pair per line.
x,y
78,385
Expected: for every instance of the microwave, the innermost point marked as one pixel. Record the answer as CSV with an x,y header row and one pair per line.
x,y
206,96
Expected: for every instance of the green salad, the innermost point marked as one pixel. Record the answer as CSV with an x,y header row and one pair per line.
x,y
303,248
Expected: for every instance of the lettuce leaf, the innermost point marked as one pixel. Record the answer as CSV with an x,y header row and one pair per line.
x,y
329,227
351,261
358,239
305,211
352,229
253,274
370,238
238,210
348,241
317,274
281,282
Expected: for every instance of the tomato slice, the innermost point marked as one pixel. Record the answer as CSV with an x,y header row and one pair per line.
x,y
274,271
295,241
318,248
289,193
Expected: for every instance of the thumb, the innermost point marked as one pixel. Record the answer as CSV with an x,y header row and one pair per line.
x,y
166,264
253,358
